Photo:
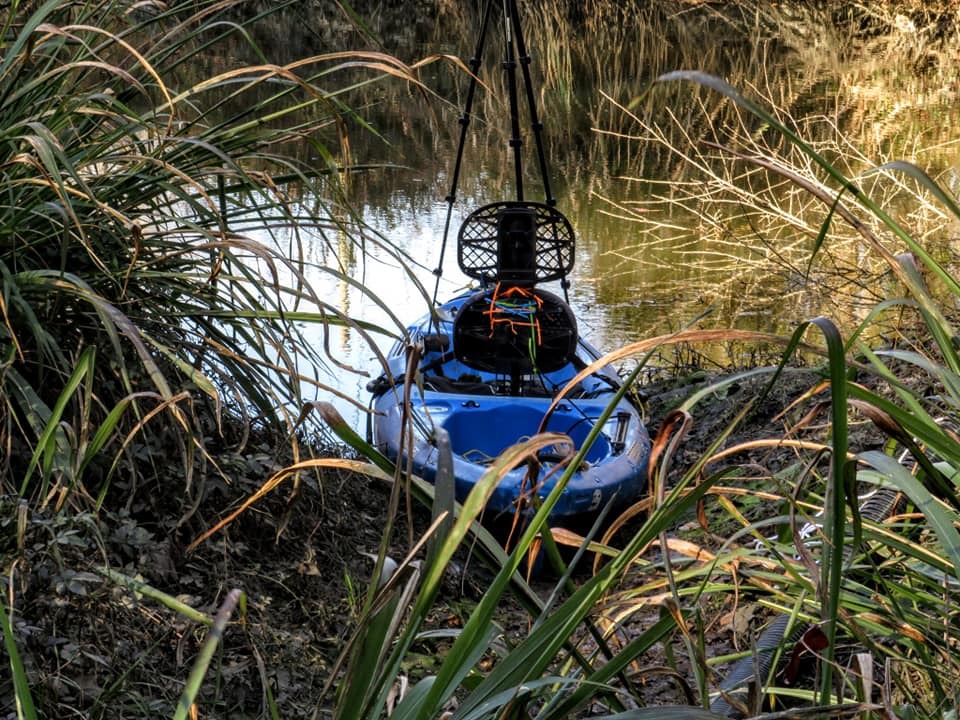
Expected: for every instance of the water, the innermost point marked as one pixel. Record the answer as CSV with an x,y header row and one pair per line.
x,y
665,227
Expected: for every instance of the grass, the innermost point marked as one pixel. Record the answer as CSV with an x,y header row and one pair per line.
x,y
150,345
915,429
146,335
837,579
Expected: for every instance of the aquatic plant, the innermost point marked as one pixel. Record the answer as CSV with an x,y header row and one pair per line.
x,y
883,582
145,279
151,314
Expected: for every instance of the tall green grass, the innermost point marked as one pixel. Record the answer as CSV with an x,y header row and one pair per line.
x,y
151,311
142,292
874,581
524,677
884,588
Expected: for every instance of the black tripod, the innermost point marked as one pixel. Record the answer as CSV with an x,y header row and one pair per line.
x,y
515,53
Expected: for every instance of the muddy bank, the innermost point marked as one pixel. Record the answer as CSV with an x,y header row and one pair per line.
x,y
92,646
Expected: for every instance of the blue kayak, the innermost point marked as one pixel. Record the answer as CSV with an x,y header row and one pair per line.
x,y
487,401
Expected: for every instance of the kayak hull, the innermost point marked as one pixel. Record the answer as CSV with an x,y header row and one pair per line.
x,y
484,413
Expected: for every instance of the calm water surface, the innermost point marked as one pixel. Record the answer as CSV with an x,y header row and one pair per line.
x,y
645,266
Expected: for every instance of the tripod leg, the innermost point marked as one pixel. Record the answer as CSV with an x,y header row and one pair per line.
x,y
510,66
531,102
464,123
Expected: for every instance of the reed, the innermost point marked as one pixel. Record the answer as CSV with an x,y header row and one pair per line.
x,y
139,250
828,60
914,423
151,317
746,212
807,551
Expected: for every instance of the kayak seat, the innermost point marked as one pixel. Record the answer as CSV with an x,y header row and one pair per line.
x,y
516,242
515,331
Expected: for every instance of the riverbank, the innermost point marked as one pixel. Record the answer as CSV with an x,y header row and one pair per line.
x,y
130,322
93,645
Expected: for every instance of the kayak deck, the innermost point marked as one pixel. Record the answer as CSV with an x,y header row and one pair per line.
x,y
483,415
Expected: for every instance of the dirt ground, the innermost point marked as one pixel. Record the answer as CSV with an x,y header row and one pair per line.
x,y
94,648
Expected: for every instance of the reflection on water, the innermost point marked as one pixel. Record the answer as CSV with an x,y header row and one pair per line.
x,y
666,229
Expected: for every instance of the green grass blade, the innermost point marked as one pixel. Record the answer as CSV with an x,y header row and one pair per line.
x,y
941,331
822,233
457,661
377,629
726,89
834,524
21,687
940,194
668,713
619,663
342,430
109,426
515,700
942,520
204,658
536,651
52,443
918,426
165,599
